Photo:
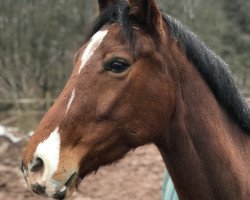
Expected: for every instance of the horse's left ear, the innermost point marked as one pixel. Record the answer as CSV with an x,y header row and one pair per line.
x,y
148,13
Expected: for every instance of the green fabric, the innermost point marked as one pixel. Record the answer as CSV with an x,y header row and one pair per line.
x,y
168,191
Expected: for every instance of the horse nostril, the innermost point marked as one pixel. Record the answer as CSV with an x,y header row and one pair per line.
x,y
38,165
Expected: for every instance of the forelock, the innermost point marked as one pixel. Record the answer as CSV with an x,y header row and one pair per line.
x,y
117,12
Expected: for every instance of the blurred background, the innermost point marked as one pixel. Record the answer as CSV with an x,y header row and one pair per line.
x,y
38,39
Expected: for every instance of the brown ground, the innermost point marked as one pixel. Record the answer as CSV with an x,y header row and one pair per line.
x,y
138,176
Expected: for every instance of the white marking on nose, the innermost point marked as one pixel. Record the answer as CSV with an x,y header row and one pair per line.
x,y
49,151
70,100
94,43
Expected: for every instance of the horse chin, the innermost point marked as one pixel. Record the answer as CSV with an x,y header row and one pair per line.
x,y
64,194
68,189
71,185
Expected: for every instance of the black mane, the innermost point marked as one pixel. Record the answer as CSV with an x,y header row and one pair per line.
x,y
213,69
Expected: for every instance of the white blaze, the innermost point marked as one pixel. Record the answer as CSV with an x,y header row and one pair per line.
x,y
94,43
49,151
70,100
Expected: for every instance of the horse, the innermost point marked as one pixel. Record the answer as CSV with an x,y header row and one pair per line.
x,y
142,77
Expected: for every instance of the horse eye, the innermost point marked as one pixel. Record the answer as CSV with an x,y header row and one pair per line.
x,y
116,65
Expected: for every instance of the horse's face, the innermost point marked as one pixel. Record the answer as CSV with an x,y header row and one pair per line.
x,y
112,103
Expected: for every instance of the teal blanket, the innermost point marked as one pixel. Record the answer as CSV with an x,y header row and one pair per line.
x,y
168,191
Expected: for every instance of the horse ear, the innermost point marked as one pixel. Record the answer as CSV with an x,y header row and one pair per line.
x,y
103,4
147,12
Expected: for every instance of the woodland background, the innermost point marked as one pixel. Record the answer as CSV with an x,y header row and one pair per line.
x,y
38,39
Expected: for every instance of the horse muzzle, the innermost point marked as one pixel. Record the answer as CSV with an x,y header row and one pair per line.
x,y
49,188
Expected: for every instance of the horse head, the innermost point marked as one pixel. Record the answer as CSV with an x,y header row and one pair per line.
x,y
120,96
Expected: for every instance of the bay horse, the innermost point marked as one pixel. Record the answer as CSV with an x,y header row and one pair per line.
x,y
142,77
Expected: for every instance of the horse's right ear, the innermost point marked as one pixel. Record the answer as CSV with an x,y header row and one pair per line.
x,y
147,13
103,4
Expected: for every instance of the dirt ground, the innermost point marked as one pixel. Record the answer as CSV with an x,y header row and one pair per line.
x,y
138,176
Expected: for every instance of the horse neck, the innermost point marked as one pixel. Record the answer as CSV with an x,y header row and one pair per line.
x,y
204,150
